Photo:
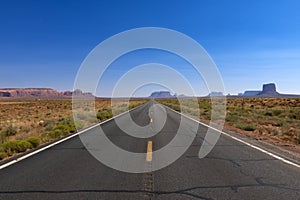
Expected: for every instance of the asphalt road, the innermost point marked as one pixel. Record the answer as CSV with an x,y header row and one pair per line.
x,y
231,171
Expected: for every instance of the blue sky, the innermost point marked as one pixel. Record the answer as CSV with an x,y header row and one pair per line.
x,y
43,43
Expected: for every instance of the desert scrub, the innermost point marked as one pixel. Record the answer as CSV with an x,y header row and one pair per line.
x,y
46,120
277,112
2,155
11,130
264,116
49,124
34,141
62,130
16,146
79,125
47,117
231,117
133,105
82,116
3,137
104,114
23,145
246,127
54,134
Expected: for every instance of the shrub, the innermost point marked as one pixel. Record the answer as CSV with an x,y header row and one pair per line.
x,y
49,124
92,120
48,114
55,134
2,137
11,130
269,114
175,107
131,106
247,127
281,123
231,118
119,110
16,146
79,125
64,129
25,129
81,116
45,137
72,128
104,114
23,145
10,147
34,141
277,112
292,116
2,155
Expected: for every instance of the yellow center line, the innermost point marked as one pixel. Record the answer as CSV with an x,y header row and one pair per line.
x,y
149,152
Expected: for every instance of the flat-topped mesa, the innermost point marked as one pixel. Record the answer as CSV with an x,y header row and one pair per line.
x,y
269,90
161,94
251,93
271,87
29,92
40,93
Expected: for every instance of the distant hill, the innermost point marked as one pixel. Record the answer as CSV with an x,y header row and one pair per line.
x,y
161,94
250,93
269,90
38,93
215,94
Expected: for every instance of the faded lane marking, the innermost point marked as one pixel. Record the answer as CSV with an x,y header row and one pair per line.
x,y
149,152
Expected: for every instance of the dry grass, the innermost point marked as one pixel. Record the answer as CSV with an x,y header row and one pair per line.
x,y
48,119
276,120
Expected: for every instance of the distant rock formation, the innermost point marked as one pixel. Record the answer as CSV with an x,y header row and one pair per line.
x,y
5,94
77,92
28,92
182,96
250,93
269,90
161,94
37,93
215,94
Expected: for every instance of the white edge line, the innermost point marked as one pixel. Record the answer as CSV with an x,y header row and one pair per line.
x,y
239,140
64,139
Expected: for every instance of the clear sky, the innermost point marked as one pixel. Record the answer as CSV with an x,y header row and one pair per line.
x,y
43,43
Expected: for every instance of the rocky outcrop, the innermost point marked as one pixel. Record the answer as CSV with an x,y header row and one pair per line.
x,y
4,94
37,93
271,87
215,94
250,93
29,92
269,90
161,94
77,93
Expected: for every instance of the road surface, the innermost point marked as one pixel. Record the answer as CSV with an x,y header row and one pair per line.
x,y
232,170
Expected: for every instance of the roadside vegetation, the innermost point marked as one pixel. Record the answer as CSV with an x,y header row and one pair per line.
x,y
26,124
276,120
